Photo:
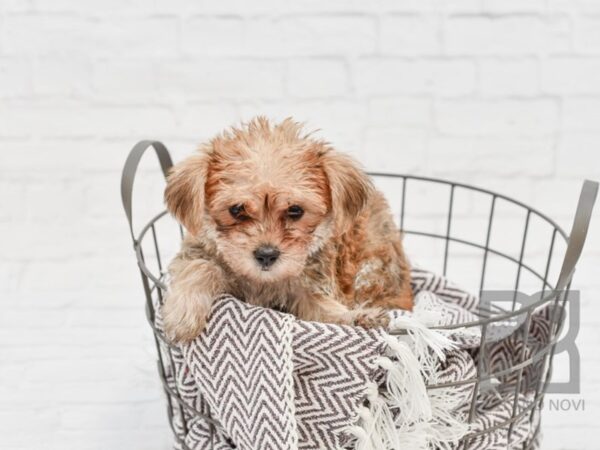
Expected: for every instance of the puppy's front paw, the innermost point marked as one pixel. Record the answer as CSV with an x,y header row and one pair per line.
x,y
185,318
372,318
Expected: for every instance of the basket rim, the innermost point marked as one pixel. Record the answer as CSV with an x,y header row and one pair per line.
x,y
551,295
478,189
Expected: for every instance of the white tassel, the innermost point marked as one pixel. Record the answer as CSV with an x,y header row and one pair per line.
x,y
424,341
436,340
404,383
384,427
415,437
369,425
447,425
362,438
367,421
427,418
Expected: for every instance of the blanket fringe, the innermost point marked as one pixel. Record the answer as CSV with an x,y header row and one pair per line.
x,y
383,421
423,341
404,382
447,425
407,415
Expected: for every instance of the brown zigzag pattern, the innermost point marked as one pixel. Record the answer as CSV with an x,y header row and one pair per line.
x,y
273,382
332,365
239,363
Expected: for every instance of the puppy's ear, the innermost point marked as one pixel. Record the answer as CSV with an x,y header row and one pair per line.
x,y
350,187
184,194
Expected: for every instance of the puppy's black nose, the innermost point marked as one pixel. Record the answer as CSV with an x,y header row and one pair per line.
x,y
266,255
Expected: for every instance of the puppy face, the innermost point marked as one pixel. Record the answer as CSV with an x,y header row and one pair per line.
x,y
267,196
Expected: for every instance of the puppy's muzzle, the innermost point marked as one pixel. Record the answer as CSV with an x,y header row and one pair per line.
x,y
266,255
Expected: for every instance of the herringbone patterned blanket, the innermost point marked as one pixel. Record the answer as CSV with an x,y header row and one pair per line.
x,y
260,379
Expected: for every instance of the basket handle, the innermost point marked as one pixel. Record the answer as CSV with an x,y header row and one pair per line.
x,y
130,169
579,230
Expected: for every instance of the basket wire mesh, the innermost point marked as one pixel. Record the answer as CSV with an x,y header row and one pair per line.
x,y
150,253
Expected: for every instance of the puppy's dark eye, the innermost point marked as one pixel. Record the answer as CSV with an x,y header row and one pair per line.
x,y
238,212
294,212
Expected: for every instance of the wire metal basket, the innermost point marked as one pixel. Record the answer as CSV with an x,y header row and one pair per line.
x,y
449,246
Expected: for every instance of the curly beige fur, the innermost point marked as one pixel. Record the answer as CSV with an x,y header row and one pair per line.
x,y
340,261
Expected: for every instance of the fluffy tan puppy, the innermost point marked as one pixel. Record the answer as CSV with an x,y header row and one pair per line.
x,y
281,220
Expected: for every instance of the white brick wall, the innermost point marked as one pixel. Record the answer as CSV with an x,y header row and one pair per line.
x,y
500,93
